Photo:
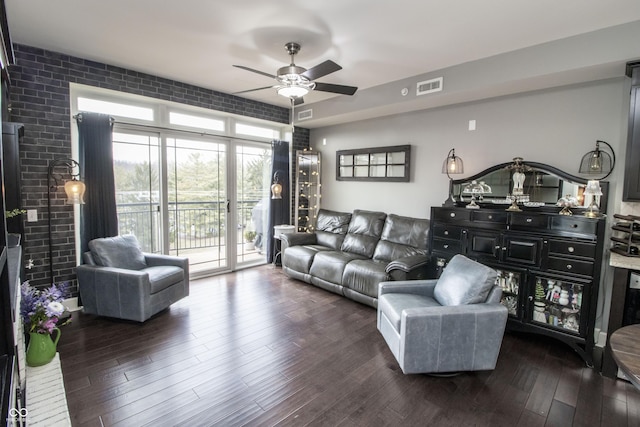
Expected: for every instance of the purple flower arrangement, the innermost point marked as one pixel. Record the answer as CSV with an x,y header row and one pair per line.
x,y
41,309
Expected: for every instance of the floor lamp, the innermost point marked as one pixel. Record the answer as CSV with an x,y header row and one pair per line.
x,y
74,188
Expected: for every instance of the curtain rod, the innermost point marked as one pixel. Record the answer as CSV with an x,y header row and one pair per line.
x,y
112,120
199,133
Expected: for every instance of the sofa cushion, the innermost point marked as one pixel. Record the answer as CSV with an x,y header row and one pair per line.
x,y
329,265
330,240
393,304
162,277
299,258
364,233
464,281
333,222
118,251
401,237
364,276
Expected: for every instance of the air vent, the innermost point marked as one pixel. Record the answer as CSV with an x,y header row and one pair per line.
x,y
305,115
429,86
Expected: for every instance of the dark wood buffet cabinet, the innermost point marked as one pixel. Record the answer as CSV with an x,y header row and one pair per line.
x,y
548,265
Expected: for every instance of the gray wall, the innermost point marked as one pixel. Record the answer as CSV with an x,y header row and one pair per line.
x,y
555,126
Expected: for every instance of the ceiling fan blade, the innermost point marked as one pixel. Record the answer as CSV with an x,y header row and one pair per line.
x,y
252,90
341,89
321,70
255,71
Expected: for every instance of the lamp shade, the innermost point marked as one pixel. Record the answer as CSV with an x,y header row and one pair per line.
x,y
593,188
452,164
75,192
598,161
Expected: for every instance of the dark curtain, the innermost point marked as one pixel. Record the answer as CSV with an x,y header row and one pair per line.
x,y
98,216
279,209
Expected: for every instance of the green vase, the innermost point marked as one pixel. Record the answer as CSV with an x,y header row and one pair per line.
x,y
41,349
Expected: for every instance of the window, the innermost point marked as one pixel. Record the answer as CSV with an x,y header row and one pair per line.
x,y
259,131
196,121
115,109
374,164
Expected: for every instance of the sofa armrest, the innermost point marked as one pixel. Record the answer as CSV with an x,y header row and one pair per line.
x,y
467,313
154,260
296,239
411,267
408,263
418,287
114,292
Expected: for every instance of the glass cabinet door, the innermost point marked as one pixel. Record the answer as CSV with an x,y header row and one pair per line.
x,y
307,197
557,303
510,281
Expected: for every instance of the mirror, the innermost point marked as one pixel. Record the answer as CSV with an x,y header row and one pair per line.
x,y
543,186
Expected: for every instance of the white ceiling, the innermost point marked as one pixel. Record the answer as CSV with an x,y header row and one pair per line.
x,y
375,41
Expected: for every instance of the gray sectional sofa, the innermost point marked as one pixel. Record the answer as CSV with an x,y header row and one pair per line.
x,y
351,253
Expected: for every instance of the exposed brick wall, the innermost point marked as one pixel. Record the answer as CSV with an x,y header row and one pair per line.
x,y
39,98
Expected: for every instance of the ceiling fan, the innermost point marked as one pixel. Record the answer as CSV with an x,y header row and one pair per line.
x,y
294,82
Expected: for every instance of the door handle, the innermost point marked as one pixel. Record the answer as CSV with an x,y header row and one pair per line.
x,y
228,206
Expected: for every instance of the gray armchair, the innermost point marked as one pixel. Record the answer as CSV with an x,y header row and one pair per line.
x,y
452,324
118,280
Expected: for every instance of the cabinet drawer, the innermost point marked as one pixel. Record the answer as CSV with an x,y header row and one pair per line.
x,y
444,245
444,214
489,217
574,224
446,231
579,249
584,268
526,222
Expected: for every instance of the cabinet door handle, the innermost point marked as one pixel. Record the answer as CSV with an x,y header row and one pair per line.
x,y
530,297
490,217
446,233
446,246
452,214
569,266
570,249
504,248
529,220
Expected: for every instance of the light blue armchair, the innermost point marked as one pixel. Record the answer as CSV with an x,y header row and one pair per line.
x,y
118,280
452,324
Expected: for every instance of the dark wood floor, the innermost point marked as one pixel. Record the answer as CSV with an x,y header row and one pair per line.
x,y
255,348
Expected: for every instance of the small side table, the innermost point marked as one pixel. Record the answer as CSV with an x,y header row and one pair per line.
x,y
277,250
625,348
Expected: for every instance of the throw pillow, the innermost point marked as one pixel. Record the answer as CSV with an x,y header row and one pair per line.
x,y
119,251
464,282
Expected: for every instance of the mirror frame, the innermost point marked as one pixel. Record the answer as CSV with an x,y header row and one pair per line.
x,y
543,168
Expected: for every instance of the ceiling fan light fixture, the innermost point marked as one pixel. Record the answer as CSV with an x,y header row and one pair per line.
x,y
295,90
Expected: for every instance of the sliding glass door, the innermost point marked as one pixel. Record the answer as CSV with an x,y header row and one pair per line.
x,y
252,191
198,202
136,164
185,195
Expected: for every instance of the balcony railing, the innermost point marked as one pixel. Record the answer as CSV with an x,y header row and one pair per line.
x,y
192,225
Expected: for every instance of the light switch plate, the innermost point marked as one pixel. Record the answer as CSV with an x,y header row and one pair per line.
x,y
32,215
